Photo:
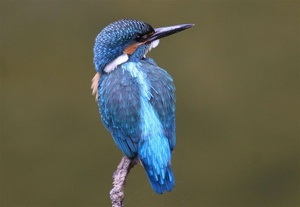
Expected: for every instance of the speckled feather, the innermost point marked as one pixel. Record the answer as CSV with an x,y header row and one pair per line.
x,y
112,39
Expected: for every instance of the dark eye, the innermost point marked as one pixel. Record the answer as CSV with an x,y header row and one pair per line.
x,y
138,36
141,37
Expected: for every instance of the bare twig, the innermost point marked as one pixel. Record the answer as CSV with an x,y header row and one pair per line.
x,y
117,194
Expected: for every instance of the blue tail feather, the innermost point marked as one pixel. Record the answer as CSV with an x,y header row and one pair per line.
x,y
158,183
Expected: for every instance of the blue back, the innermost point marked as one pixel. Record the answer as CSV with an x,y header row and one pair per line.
x,y
137,105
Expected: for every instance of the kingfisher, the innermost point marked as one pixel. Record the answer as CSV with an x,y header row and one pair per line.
x,y
136,97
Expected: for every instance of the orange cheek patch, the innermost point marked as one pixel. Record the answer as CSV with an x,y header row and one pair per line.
x,y
131,48
94,86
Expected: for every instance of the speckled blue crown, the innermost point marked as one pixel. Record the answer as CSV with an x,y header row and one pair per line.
x,y
112,40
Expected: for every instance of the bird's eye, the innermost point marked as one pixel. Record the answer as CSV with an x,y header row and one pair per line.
x,y
141,37
138,36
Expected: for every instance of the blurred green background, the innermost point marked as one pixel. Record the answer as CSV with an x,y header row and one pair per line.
x,y
237,78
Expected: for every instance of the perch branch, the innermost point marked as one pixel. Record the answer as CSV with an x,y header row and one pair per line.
x,y
117,194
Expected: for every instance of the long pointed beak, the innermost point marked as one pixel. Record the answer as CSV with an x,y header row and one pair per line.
x,y
166,31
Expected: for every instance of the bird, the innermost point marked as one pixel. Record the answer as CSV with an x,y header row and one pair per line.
x,y
136,97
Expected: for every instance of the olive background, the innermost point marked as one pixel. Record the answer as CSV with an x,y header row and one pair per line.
x,y
237,111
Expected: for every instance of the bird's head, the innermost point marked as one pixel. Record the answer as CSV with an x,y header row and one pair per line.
x,y
125,40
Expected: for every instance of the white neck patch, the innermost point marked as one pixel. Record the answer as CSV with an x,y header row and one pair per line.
x,y
153,44
118,61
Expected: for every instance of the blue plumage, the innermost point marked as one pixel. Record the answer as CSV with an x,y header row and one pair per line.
x,y
136,97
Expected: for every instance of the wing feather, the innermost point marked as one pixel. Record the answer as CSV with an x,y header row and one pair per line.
x,y
119,107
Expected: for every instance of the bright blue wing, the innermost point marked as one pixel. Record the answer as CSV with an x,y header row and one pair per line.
x,y
119,105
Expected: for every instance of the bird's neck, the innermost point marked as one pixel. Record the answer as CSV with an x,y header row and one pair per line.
x,y
139,54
